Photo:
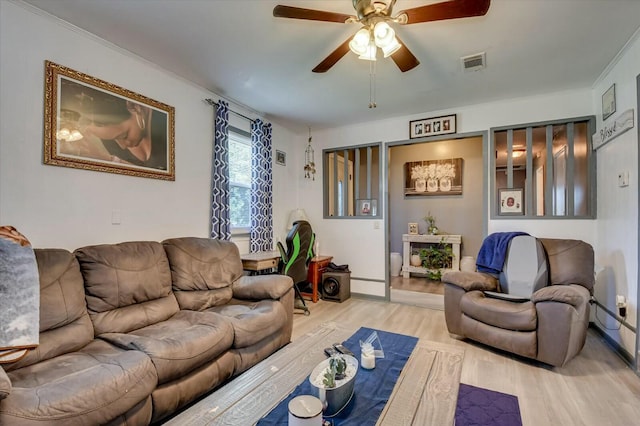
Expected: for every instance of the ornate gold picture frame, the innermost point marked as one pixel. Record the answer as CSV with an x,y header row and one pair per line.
x,y
94,125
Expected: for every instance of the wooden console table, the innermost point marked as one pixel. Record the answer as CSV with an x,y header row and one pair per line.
x,y
316,267
409,239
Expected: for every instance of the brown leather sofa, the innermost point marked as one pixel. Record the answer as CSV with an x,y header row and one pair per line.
x,y
550,327
132,332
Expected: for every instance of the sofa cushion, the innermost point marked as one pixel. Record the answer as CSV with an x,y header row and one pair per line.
x,y
127,285
64,323
180,344
90,386
499,313
202,269
253,322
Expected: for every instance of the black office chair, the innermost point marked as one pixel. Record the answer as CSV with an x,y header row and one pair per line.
x,y
294,262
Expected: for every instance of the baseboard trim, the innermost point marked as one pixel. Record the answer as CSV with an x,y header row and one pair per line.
x,y
615,346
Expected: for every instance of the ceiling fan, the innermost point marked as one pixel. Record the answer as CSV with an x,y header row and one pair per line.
x,y
375,16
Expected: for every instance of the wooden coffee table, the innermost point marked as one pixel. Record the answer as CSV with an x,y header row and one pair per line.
x,y
425,394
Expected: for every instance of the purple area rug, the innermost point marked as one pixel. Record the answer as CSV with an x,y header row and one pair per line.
x,y
484,407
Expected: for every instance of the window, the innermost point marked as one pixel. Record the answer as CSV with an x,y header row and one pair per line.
x,y
550,167
352,181
239,180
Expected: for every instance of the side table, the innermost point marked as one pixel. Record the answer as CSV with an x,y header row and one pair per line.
x,y
317,265
260,261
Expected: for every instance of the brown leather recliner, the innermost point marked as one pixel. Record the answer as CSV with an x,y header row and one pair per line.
x,y
550,326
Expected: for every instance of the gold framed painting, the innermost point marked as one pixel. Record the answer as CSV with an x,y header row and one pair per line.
x,y
95,125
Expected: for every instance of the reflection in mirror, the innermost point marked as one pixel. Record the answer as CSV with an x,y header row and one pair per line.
x,y
352,181
552,163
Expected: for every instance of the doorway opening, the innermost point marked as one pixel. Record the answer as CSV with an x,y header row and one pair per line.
x,y
454,202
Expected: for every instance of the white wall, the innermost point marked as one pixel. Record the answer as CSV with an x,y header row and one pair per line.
x,y
63,207
617,227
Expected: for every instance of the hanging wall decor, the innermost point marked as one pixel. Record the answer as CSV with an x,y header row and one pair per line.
x,y
433,177
94,125
433,126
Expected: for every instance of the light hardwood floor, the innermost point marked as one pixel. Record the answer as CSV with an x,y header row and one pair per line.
x,y
595,388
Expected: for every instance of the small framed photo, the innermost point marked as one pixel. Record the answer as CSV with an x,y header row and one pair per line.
x,y
433,126
367,207
510,202
609,102
413,228
281,158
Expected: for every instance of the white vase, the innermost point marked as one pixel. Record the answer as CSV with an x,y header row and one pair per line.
x,y
415,260
432,185
395,264
467,264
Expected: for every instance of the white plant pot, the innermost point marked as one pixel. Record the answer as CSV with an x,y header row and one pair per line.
x,y
467,264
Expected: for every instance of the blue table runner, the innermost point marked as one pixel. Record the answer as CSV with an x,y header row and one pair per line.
x,y
372,388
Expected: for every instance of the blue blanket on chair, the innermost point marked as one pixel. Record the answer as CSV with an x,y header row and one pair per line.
x,y
494,250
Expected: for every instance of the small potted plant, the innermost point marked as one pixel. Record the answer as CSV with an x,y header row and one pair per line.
x,y
334,381
431,224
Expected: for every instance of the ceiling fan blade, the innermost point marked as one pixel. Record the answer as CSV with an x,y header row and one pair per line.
x,y
446,10
333,58
313,15
404,59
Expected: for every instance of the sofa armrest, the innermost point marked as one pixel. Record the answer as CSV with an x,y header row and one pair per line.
x,y
258,287
573,294
5,384
469,281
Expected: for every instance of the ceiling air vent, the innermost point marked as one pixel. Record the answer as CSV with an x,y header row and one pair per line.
x,y
474,62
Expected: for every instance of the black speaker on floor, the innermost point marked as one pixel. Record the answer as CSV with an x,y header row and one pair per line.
x,y
336,286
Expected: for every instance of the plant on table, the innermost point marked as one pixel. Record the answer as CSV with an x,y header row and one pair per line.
x,y
435,258
431,224
336,371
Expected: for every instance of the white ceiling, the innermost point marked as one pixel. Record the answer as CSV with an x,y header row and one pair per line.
x,y
237,49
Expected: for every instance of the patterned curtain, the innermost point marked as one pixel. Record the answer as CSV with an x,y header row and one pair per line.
x,y
261,187
220,222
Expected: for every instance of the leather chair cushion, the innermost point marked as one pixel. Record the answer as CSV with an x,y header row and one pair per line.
x,y
180,344
499,313
570,262
523,343
91,386
253,322
127,285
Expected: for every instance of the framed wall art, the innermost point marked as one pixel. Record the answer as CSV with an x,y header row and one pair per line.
x,y
281,158
433,177
94,125
609,102
368,207
432,126
510,202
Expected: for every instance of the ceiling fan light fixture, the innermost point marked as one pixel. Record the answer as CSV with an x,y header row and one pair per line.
x,y
370,53
391,48
360,42
383,34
